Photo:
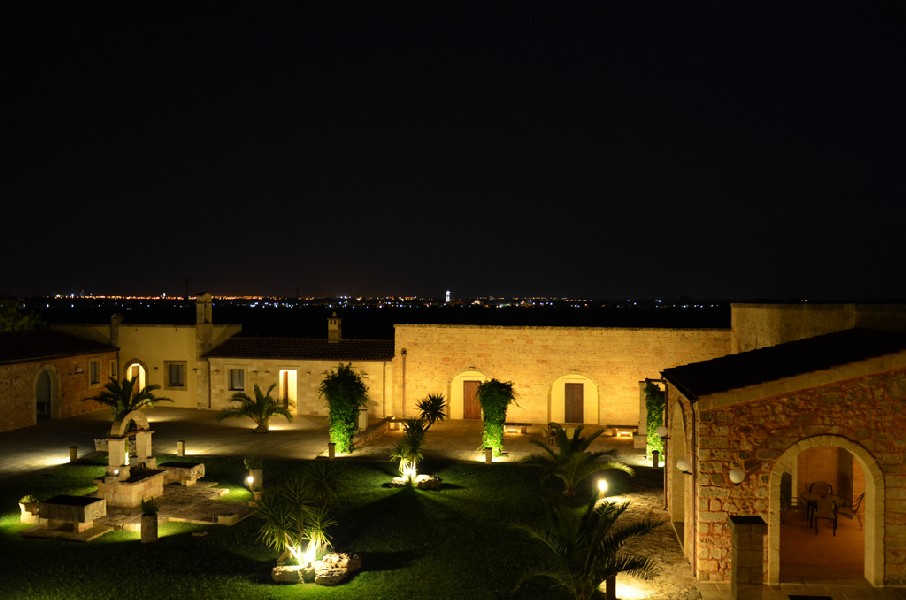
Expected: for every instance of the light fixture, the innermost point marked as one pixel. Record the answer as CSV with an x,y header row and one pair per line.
x,y
661,431
250,480
602,487
737,476
684,465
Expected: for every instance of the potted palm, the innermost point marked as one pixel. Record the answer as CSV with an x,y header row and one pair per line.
x,y
149,520
123,397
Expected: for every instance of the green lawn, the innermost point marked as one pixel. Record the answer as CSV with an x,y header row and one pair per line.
x,y
453,543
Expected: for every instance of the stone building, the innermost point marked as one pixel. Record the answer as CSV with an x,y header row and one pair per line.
x,y
46,374
829,407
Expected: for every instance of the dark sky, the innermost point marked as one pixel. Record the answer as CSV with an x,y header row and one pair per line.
x,y
733,153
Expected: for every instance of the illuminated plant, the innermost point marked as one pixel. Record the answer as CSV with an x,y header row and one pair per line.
x,y
122,397
295,523
259,409
345,393
569,460
581,548
432,409
654,406
494,396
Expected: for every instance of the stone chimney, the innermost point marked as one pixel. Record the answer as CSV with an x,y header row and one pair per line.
x,y
115,321
333,329
204,304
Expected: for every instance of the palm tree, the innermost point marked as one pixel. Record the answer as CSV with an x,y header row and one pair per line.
x,y
432,408
582,548
122,397
259,409
293,519
569,460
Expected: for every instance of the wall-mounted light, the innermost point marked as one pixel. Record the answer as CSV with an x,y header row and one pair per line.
x,y
661,431
737,476
684,465
78,369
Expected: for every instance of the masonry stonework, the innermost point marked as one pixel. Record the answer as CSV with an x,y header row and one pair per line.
x,y
869,412
614,360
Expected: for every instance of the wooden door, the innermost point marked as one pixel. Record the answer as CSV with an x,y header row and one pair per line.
x,y
574,411
471,408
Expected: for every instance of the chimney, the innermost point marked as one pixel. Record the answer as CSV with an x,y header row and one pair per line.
x,y
333,329
203,309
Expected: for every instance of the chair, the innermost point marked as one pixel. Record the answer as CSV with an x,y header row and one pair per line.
x,y
821,487
550,433
788,503
853,509
825,509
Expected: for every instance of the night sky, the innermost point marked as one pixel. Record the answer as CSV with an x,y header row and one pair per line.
x,y
745,153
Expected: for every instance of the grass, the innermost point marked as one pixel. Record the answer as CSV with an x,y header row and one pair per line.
x,y
452,543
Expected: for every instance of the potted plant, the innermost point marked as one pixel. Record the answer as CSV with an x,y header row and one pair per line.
x,y
149,520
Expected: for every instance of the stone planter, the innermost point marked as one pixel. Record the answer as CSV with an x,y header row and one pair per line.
x,y
149,528
28,512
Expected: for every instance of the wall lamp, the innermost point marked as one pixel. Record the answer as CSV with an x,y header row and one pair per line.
x,y
684,465
737,476
662,431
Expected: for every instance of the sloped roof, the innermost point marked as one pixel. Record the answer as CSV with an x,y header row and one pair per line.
x,y
303,349
817,353
26,346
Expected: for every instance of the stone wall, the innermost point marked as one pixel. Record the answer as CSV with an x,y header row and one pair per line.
x,y
865,413
762,325
309,375
613,360
68,388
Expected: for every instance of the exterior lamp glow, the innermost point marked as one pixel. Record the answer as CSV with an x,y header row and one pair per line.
x,y
602,487
684,465
250,481
737,476
661,431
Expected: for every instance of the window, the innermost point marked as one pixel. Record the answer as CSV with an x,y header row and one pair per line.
x,y
237,380
112,371
94,372
176,374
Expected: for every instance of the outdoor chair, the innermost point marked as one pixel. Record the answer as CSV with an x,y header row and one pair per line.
x,y
821,487
853,509
550,433
825,509
788,503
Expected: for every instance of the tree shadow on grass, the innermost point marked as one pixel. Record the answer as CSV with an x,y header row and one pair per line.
x,y
387,561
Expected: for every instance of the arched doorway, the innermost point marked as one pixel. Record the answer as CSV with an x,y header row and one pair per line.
x,y
463,401
574,399
796,467
44,395
679,485
135,368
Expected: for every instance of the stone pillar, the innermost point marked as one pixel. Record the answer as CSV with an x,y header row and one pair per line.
x,y
640,439
747,570
143,450
488,454
331,450
73,454
180,447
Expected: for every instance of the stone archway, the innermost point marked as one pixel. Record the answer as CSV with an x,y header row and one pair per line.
x,y
138,369
588,395
456,395
46,388
873,503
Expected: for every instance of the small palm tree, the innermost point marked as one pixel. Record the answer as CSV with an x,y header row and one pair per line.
x,y
582,548
122,397
408,449
295,524
432,408
569,460
259,409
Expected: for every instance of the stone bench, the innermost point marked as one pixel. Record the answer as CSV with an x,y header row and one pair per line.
x,y
72,513
516,427
622,430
